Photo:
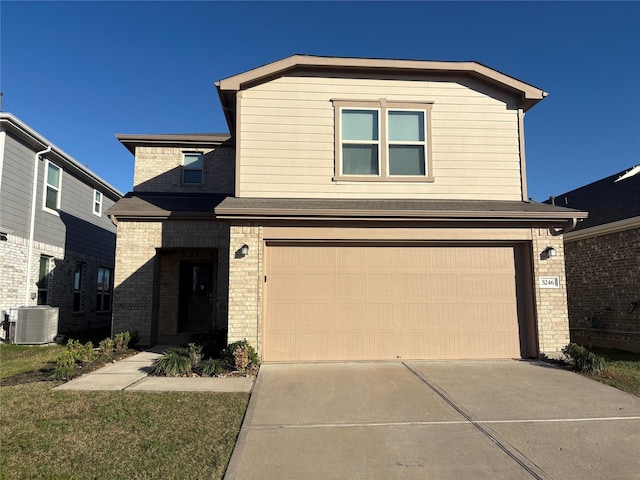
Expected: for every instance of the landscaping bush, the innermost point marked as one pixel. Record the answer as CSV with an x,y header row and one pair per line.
x,y
172,363
241,356
584,360
211,367
106,346
124,340
65,365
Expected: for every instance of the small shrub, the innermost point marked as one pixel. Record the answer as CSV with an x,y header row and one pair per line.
x,y
195,354
211,367
584,360
106,347
240,355
172,363
65,365
121,341
82,353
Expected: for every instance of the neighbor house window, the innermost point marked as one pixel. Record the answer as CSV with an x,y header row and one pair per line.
x,y
380,140
103,299
192,168
77,288
97,203
43,280
53,176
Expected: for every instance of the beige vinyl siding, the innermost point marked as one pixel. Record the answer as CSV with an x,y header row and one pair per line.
x,y
287,139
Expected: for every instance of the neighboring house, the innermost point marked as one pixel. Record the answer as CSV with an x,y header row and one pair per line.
x,y
603,262
57,246
360,209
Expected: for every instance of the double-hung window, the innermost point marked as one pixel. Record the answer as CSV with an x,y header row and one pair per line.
x,y
53,184
382,141
97,203
44,272
192,168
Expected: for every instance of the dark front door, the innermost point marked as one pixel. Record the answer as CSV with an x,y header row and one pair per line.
x,y
197,295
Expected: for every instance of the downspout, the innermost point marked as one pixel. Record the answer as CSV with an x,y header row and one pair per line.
x,y
559,231
34,193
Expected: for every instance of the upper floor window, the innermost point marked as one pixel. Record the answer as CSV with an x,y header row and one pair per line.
x,y
382,141
53,184
97,203
192,168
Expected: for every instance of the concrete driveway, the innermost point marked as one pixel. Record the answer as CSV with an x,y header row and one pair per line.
x,y
435,420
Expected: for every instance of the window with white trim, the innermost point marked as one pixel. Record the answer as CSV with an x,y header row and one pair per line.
x,y
380,140
53,185
97,203
192,168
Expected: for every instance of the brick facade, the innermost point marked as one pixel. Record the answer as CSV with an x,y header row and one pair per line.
x,y
147,277
159,169
603,274
13,258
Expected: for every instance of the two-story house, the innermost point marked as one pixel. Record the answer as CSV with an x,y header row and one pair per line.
x,y
57,246
359,209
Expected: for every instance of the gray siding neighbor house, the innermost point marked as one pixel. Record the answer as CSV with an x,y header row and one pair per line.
x,y
603,262
57,246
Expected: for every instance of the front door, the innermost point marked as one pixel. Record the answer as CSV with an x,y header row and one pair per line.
x,y
197,293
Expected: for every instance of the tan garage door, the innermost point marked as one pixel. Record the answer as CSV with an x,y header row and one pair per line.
x,y
378,302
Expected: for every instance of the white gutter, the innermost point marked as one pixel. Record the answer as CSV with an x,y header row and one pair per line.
x,y
34,193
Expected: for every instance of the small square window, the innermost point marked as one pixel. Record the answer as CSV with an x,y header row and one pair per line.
x,y
192,168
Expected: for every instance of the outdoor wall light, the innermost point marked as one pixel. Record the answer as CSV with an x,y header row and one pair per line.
x,y
549,252
244,250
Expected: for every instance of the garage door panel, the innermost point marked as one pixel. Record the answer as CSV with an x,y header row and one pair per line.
x,y
366,302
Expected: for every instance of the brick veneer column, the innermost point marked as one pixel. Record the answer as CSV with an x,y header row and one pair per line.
x,y
551,303
245,285
133,284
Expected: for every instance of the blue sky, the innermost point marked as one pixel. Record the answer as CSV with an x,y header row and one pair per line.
x,y
80,72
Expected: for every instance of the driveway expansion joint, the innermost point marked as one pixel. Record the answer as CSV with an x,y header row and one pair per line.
x,y
510,450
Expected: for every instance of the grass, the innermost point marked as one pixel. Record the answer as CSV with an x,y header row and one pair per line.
x,y
116,435
15,359
623,370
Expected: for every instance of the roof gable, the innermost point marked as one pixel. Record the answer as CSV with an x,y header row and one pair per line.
x,y
227,87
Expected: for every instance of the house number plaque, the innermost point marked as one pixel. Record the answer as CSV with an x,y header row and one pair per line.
x,y
549,282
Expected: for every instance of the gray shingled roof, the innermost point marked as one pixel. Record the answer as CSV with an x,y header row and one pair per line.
x,y
606,200
163,205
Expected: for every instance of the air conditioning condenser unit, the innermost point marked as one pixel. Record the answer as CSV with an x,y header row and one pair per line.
x,y
36,325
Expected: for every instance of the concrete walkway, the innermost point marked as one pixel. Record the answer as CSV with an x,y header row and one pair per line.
x,y
131,374
479,420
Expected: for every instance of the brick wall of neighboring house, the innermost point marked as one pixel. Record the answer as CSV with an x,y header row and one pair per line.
x,y
245,285
159,169
153,253
62,267
550,303
603,273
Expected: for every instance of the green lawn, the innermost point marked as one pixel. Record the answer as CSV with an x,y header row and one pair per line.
x,y
109,435
116,435
623,370
16,359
